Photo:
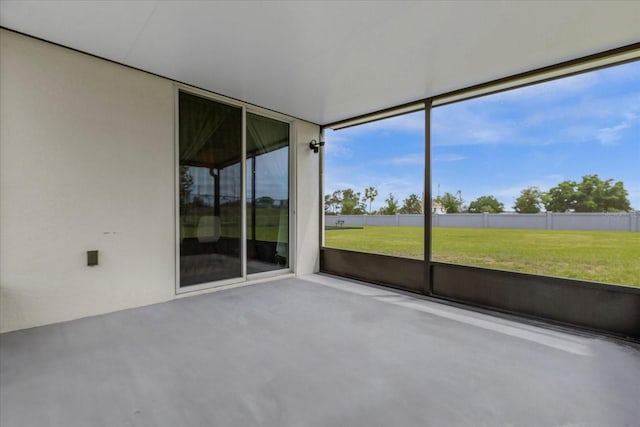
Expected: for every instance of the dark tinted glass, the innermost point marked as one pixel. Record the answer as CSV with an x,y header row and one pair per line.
x,y
210,188
267,194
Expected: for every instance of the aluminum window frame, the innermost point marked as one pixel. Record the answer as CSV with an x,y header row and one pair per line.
x,y
605,308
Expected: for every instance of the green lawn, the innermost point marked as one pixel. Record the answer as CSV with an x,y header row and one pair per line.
x,y
263,233
269,222
602,256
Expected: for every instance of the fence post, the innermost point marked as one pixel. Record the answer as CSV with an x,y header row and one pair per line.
x,y
485,220
397,220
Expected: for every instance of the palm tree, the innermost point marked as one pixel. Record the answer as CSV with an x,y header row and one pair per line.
x,y
370,194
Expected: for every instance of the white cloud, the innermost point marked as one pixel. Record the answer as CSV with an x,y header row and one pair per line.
x,y
337,142
448,158
409,159
609,136
569,122
334,137
486,135
333,149
466,124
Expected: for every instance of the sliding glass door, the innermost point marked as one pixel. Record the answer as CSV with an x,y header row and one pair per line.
x,y
267,194
226,233
210,186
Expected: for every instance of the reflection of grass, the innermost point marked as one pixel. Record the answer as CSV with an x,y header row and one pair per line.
x,y
263,233
602,256
268,221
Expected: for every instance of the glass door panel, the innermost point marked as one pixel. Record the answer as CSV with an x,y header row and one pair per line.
x,y
210,190
267,181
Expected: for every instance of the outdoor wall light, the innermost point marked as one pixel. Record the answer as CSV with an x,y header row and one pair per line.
x,y
315,145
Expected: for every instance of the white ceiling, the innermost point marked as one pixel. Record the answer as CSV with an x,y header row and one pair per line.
x,y
327,61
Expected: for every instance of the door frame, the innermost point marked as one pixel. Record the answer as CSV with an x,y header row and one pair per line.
x,y
246,108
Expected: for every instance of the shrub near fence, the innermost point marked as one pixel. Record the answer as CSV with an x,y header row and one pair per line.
x,y
624,221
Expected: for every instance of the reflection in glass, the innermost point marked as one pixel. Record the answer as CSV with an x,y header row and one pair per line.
x,y
210,185
267,194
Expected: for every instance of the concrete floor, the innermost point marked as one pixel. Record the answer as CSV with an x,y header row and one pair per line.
x,y
315,351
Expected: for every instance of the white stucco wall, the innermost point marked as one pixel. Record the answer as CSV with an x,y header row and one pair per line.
x,y
307,200
87,162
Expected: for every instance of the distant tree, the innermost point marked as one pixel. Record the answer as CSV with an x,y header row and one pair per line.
x,y
592,194
351,204
561,198
265,201
186,184
486,204
328,205
392,206
411,205
596,195
529,201
335,201
370,194
450,203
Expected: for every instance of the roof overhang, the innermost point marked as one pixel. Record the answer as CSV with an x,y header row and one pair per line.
x,y
329,61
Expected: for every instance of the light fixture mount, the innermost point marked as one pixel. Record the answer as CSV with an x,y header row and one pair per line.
x,y
315,145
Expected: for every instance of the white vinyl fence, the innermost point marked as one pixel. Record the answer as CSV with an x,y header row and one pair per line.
x,y
625,221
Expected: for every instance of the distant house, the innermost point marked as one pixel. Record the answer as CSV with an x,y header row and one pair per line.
x,y
437,208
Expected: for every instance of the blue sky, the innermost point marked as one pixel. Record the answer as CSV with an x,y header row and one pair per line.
x,y
497,145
